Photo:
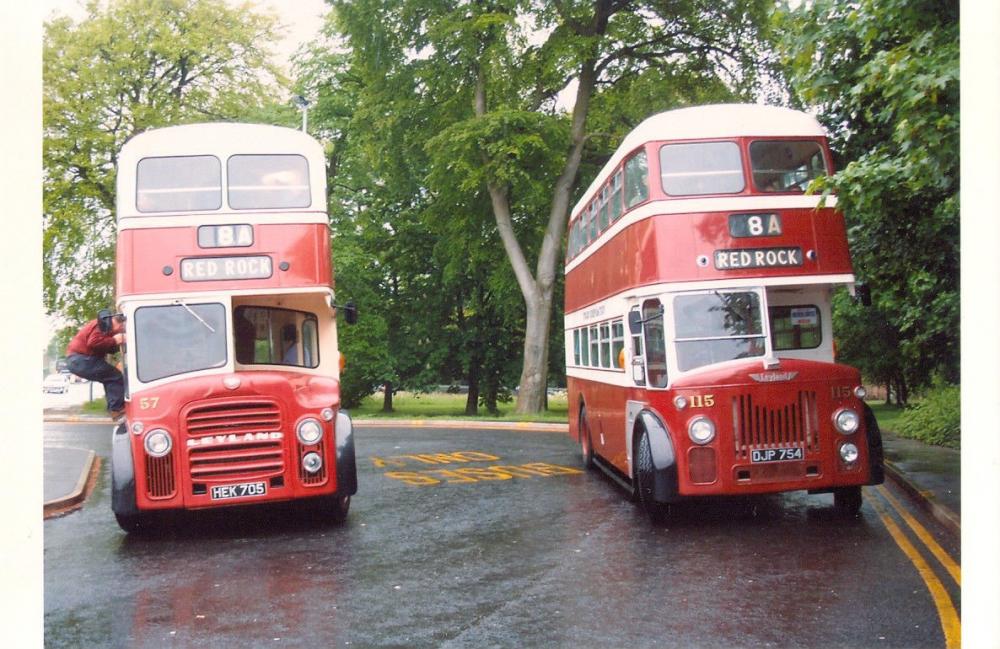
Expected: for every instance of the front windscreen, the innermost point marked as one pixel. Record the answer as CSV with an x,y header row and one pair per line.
x,y
268,182
786,166
178,184
715,327
179,338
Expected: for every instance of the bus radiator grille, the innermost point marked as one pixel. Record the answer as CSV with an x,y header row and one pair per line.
x,y
758,426
160,483
218,456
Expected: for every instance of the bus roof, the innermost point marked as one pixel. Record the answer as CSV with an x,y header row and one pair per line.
x,y
708,122
219,138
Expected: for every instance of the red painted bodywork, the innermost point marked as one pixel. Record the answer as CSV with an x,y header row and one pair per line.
x,y
143,254
666,247
606,414
293,396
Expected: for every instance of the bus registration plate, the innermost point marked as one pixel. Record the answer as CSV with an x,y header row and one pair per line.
x,y
242,490
776,454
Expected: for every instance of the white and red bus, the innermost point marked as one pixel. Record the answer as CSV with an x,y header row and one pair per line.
x,y
699,348
232,367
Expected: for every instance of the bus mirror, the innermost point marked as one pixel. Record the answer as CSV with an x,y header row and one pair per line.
x,y
863,294
350,313
634,322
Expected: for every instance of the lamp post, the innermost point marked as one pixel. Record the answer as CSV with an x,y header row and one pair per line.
x,y
303,105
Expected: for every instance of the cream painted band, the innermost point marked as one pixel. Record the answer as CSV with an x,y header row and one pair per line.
x,y
221,218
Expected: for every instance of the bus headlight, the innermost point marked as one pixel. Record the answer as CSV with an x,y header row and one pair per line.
x,y
848,452
327,414
309,431
701,430
846,421
312,462
157,442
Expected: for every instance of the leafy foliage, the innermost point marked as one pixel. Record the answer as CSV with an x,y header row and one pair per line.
x,y
936,418
128,66
884,77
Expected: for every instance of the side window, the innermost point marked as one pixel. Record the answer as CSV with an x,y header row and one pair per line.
x,y
595,344
576,347
593,221
636,184
655,343
617,344
584,348
605,330
616,197
178,184
603,218
701,168
795,327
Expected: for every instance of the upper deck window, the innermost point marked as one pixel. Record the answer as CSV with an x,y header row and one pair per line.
x,y
786,166
636,187
268,182
701,168
178,184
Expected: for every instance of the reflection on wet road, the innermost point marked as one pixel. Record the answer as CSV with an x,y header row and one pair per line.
x,y
485,538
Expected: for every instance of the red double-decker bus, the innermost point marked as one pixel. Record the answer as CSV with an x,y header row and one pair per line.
x,y
232,367
699,348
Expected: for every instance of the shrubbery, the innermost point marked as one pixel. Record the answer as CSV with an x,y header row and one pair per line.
x,y
935,419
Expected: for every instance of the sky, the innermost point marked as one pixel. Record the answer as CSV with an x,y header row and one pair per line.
x,y
302,19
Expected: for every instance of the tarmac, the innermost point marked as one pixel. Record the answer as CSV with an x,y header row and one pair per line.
x,y
930,475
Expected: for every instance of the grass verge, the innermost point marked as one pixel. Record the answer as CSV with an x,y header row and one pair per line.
x,y
435,405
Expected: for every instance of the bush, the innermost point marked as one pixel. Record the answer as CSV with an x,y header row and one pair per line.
x,y
935,419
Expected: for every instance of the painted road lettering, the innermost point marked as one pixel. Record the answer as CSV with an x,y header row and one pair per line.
x,y
425,477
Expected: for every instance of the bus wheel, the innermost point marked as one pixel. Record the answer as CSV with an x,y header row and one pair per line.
x,y
847,500
333,507
644,481
586,444
130,522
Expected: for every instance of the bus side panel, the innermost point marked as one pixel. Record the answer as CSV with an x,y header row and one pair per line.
x,y
606,416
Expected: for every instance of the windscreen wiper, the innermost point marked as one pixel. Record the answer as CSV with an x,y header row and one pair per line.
x,y
191,311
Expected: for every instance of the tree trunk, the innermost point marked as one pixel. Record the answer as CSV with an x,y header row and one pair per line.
x,y
534,371
387,398
472,401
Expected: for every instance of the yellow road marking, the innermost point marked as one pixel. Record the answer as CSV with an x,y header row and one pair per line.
x,y
949,564
951,625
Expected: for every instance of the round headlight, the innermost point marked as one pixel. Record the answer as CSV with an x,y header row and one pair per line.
x,y
312,462
138,427
848,452
846,421
860,392
309,431
701,430
158,442
680,403
326,414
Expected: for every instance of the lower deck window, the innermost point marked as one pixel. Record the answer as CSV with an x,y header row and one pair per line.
x,y
795,327
179,338
716,327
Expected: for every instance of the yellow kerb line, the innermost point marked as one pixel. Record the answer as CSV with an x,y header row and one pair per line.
x,y
950,622
949,564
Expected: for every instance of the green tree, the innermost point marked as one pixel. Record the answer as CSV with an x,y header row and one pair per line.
x,y
127,66
884,77
478,64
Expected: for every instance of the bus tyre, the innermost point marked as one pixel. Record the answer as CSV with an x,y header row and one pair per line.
x,y
644,481
333,507
847,500
131,523
586,443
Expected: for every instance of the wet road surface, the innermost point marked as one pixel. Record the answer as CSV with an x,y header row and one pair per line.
x,y
442,550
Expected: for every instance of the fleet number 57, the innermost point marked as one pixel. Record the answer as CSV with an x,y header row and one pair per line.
x,y
145,403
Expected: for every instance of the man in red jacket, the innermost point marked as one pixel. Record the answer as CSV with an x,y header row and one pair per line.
x,y
85,358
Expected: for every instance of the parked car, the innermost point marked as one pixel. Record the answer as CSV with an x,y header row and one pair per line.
x,y
58,383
